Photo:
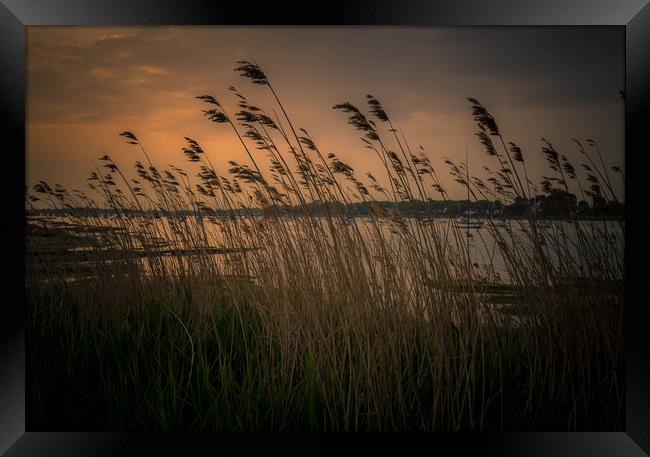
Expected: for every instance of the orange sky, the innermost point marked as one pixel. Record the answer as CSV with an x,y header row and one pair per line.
x,y
87,84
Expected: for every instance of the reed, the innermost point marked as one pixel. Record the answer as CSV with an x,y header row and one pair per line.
x,y
205,301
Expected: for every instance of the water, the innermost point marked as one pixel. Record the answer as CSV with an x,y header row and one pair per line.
x,y
568,245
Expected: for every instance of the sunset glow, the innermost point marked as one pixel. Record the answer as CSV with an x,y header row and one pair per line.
x,y
87,84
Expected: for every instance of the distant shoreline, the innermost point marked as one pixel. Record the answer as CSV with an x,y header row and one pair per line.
x,y
255,212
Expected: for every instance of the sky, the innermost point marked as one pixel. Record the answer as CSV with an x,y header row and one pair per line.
x,y
87,84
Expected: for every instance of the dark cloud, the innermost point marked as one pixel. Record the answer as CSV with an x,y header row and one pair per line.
x,y
509,67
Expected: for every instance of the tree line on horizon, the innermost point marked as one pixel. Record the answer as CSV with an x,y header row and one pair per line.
x,y
557,203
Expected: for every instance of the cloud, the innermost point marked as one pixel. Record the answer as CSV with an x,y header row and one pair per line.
x,y
151,70
115,36
102,73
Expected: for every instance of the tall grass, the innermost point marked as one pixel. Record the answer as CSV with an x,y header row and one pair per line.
x,y
306,321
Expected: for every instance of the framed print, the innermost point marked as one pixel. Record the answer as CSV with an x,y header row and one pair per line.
x,y
418,217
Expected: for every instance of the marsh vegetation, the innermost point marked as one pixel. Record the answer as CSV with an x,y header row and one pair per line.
x,y
228,303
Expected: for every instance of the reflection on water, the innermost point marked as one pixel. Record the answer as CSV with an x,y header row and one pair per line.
x,y
170,244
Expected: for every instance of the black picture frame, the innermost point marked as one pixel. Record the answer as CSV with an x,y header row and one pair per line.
x,y
632,15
